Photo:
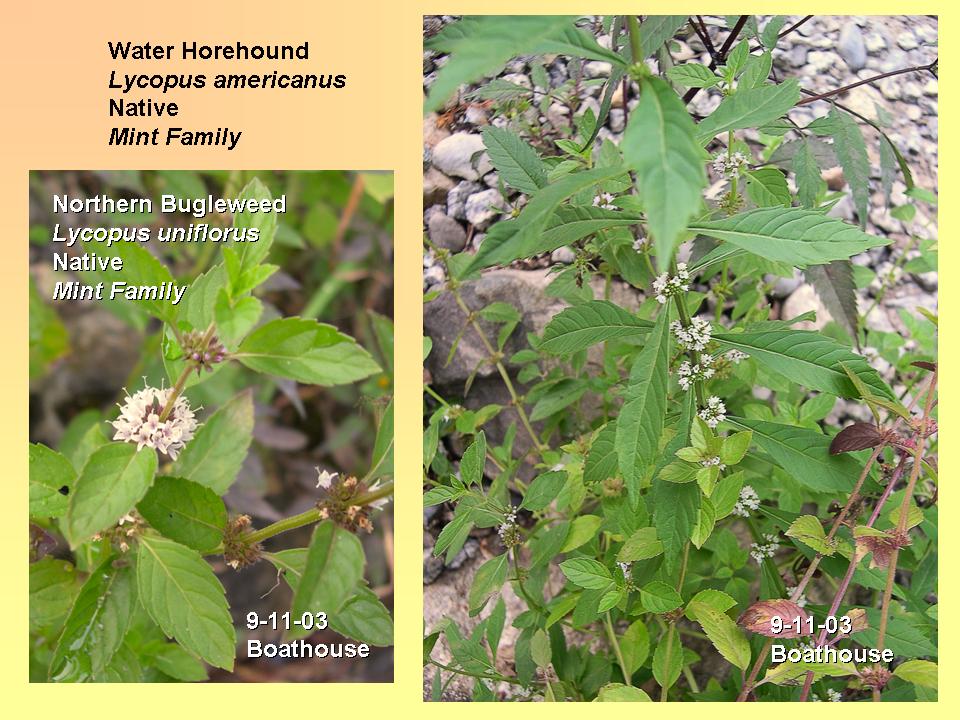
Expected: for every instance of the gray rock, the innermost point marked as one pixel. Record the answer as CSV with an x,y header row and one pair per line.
x,y
483,207
434,276
462,155
804,299
907,41
616,120
436,185
821,60
597,68
447,233
851,46
563,255
457,198
874,43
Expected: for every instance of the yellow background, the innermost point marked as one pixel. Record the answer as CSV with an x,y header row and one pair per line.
x,y
55,67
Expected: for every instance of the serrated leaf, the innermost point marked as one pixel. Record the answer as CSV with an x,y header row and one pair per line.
x,y
658,597
184,511
214,456
97,623
790,673
540,649
587,573
795,235
52,479
173,660
543,490
719,601
200,300
618,692
234,319
473,460
183,596
807,358
582,530
918,672
858,436
852,154
692,75
660,144
835,286
640,423
306,351
589,323
656,30
804,454
54,584
749,108
807,175
140,268
517,162
723,632
642,545
524,236
334,566
767,187
364,618
635,645
668,658
808,530
112,482
243,259
487,581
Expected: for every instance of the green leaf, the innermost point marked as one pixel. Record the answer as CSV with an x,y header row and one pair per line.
x,y
94,630
582,530
334,566
523,236
190,514
140,268
618,692
804,454
852,153
587,573
692,75
306,351
242,259
214,456
601,461
749,108
789,673
835,286
640,423
582,326
657,30
735,447
642,545
487,582
54,585
200,300
658,597
918,672
767,187
807,358
112,482
473,460
719,601
796,236
481,45
635,646
171,659
807,172
559,396
543,490
668,658
808,530
234,319
660,145
540,649
723,632
516,161
363,617
52,479
183,596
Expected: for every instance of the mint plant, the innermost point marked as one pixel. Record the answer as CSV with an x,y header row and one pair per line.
x,y
679,511
133,513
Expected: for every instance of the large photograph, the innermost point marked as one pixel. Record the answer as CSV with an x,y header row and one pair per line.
x,y
680,386
211,426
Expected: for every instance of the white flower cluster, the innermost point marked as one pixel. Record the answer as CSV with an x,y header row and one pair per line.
x,y
624,568
688,374
640,244
139,421
800,601
605,201
832,696
730,166
665,286
325,479
713,462
509,523
748,501
735,356
714,413
695,336
451,411
759,551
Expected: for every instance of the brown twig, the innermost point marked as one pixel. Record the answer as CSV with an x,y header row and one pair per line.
x,y
722,53
866,81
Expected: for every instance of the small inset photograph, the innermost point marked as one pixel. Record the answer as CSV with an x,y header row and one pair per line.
x,y
680,384
211,426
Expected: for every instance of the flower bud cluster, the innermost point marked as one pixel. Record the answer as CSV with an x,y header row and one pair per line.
x,y
730,166
747,502
665,286
714,413
695,336
203,355
688,374
767,549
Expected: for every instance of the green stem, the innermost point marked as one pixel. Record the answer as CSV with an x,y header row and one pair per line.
x,y
612,637
482,676
185,375
636,47
313,515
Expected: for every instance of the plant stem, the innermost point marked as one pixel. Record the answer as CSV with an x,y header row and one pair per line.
x,y
185,375
612,637
313,515
725,48
668,651
482,676
866,81
636,48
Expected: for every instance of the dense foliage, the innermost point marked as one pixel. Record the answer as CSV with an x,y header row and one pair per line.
x,y
669,488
